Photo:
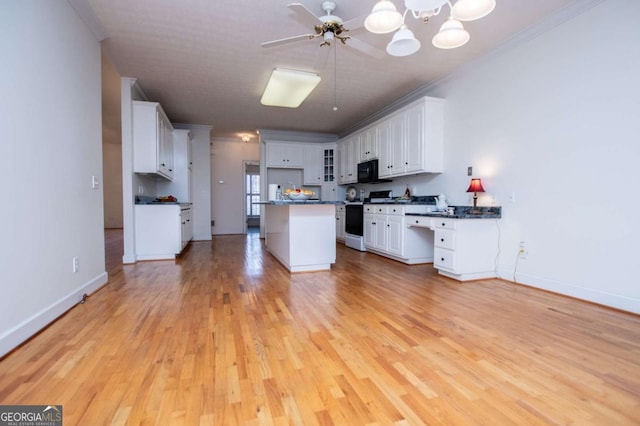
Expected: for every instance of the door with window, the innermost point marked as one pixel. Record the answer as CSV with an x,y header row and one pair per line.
x,y
252,191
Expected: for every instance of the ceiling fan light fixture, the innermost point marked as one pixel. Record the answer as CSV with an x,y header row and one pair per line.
x,y
470,10
384,18
423,5
289,88
451,35
403,43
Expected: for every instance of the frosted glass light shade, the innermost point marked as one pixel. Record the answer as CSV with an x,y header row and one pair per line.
x,y
421,5
384,18
451,35
470,10
403,43
289,88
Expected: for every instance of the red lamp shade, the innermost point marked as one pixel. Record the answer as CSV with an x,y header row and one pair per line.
x,y
475,186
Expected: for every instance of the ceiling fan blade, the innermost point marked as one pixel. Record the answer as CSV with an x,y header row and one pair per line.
x,y
365,48
355,23
282,41
304,15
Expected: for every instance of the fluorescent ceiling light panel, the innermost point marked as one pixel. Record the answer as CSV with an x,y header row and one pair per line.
x,y
288,88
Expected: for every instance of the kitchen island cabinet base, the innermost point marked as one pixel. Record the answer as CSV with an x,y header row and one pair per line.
x,y
301,236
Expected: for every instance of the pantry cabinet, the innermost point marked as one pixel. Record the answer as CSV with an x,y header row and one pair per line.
x,y
152,140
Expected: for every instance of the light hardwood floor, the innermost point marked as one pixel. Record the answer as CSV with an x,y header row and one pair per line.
x,y
225,336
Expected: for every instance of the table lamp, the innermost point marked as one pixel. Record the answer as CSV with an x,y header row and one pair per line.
x,y
475,186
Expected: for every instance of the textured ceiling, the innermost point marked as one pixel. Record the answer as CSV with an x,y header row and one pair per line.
x,y
202,59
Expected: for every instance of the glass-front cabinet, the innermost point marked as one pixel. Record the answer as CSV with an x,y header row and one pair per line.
x,y
328,161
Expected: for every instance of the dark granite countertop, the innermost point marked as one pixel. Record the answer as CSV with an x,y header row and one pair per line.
x,y
153,201
296,202
465,212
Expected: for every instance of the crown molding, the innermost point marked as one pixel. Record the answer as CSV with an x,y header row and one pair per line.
x,y
566,13
86,14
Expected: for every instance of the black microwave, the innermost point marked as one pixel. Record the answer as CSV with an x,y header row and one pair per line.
x,y
368,171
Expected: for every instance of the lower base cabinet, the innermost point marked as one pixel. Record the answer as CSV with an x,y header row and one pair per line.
x,y
162,231
386,233
340,222
465,249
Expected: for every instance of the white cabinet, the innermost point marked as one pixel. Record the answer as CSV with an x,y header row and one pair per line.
x,y
386,233
328,165
340,221
285,155
349,154
408,141
180,185
465,249
368,140
162,231
152,140
186,226
313,173
423,136
391,146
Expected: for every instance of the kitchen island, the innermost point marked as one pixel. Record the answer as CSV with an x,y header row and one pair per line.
x,y
301,234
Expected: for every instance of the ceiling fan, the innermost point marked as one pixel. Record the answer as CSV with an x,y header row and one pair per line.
x,y
330,27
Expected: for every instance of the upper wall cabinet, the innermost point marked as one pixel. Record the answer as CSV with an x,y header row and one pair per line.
x,y
408,141
369,143
152,140
348,158
287,155
180,186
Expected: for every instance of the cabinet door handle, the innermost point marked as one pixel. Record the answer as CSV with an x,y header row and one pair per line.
x,y
443,224
417,221
442,259
442,240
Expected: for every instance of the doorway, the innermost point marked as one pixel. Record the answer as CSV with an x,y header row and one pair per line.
x,y
252,197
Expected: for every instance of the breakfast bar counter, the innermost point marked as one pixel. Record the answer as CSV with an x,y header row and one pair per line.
x,y
301,234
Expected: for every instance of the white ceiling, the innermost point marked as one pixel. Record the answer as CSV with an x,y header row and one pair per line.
x,y
202,59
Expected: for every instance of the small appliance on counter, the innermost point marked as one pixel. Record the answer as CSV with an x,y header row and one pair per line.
x,y
379,197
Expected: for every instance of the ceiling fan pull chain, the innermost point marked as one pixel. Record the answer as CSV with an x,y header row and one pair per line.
x,y
335,77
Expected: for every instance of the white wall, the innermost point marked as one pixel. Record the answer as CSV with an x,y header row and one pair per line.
x,y
227,156
556,121
51,148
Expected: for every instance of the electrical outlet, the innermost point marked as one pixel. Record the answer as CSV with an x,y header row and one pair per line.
x,y
522,250
95,182
469,171
140,189
76,264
